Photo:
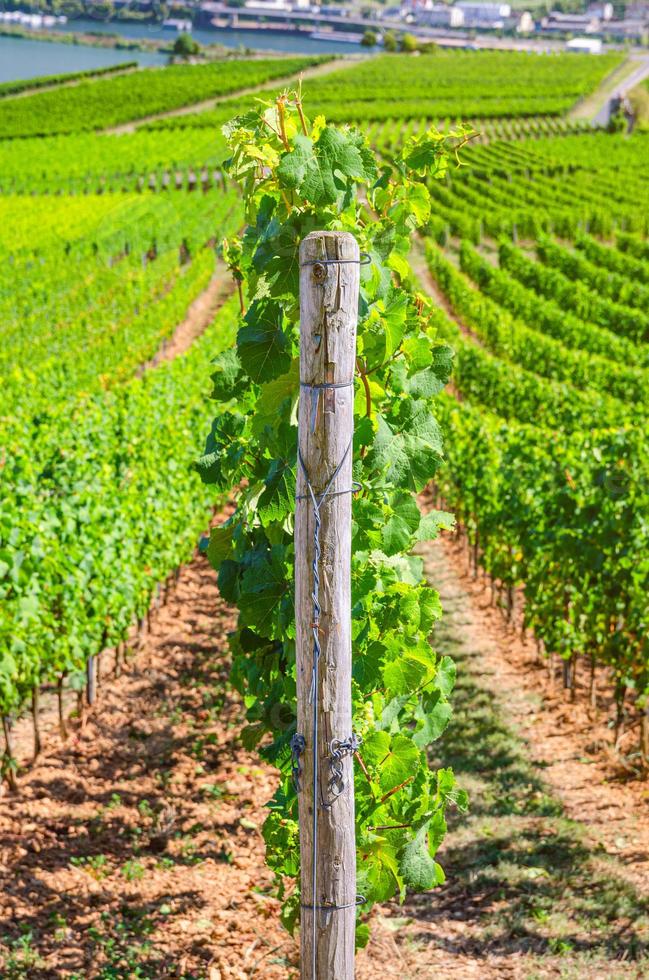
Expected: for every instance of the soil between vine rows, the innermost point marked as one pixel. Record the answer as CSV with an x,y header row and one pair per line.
x,y
134,849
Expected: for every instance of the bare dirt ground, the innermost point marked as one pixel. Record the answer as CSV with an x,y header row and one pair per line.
x,y
571,743
134,849
199,316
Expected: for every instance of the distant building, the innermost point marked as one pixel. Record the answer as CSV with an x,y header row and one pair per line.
x,y
639,10
475,10
177,24
262,5
588,45
440,15
629,29
524,23
600,11
570,23
488,15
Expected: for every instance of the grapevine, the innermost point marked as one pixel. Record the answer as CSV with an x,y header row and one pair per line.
x,y
297,176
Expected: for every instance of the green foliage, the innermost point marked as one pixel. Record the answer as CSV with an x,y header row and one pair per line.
x,y
547,462
408,43
23,959
369,39
89,163
41,81
107,102
458,84
185,46
390,42
95,495
297,176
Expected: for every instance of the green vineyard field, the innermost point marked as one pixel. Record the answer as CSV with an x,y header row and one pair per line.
x,y
102,103
535,251
479,412
508,264
548,311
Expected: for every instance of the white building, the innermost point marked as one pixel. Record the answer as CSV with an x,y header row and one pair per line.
x,y
525,24
262,5
440,15
478,14
588,45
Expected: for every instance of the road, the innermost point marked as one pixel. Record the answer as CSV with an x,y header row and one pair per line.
x,y
623,88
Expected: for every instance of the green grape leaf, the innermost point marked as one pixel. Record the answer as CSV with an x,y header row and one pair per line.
x,y
366,668
362,935
278,497
395,535
262,345
263,592
402,675
417,867
432,523
228,580
446,675
315,169
376,746
378,871
435,717
273,396
405,506
220,545
227,380
418,352
407,452
399,763
430,609
392,710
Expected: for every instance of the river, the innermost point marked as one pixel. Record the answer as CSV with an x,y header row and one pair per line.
x,y
24,58
265,40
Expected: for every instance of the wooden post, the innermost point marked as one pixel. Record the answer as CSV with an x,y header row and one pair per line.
x,y
36,722
328,317
91,679
9,761
59,699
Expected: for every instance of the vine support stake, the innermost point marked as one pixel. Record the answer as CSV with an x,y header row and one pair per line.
x,y
328,317
9,760
91,679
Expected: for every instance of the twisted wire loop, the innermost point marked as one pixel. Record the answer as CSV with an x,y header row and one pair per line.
x,y
298,745
337,747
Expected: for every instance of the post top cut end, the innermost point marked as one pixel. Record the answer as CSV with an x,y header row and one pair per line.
x,y
329,245
340,235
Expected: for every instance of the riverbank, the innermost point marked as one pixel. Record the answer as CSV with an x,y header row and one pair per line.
x,y
106,40
150,37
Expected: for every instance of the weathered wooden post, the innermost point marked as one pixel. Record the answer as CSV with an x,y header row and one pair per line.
x,y
324,745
